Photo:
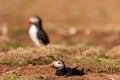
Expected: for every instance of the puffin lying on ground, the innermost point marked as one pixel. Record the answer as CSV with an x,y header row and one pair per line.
x,y
37,32
62,70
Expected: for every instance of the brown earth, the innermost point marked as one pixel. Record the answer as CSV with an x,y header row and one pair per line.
x,y
97,24
42,72
46,73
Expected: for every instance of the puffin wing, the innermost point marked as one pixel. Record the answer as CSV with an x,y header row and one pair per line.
x,y
74,71
69,71
43,37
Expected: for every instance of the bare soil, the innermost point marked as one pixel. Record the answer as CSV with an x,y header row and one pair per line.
x,y
98,32
47,73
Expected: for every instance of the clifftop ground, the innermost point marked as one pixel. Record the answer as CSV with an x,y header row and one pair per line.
x,y
82,32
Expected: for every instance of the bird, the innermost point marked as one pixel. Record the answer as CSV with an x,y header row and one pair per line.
x,y
36,31
62,70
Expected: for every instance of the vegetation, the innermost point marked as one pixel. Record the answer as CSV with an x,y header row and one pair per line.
x,y
94,45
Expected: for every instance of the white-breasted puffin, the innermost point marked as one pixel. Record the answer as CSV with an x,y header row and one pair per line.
x,y
62,70
37,32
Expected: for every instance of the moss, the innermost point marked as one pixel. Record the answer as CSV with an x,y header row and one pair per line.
x,y
98,60
6,62
85,47
85,60
46,62
101,74
29,61
103,56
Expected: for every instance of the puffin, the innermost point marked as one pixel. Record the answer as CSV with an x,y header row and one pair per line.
x,y
36,31
62,70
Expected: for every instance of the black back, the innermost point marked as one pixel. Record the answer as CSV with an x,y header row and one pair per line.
x,y
41,34
43,37
61,72
69,72
74,71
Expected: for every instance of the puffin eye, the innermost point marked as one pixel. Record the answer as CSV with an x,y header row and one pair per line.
x,y
59,62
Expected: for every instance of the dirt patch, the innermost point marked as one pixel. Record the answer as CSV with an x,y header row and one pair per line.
x,y
34,60
5,68
47,73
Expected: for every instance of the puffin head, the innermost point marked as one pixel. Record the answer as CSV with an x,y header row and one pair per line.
x,y
58,65
35,20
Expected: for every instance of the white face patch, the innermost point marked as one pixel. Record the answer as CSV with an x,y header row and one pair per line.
x,y
34,19
59,64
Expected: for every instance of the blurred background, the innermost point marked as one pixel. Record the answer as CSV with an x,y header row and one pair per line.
x,y
69,22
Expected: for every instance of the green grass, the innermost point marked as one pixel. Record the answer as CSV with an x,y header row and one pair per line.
x,y
85,47
5,62
103,62
8,45
114,68
13,77
57,54
101,74
20,63
46,62
98,58
29,61
103,56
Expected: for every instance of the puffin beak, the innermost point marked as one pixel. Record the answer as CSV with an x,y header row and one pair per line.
x,y
51,65
29,23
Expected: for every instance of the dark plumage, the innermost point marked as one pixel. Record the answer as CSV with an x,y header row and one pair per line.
x,y
61,70
69,72
41,35
36,21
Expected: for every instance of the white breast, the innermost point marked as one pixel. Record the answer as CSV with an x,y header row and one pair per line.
x,y
33,35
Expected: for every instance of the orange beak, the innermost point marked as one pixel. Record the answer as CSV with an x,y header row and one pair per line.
x,y
51,65
29,22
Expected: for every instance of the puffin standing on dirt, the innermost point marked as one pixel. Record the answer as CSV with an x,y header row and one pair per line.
x,y
37,32
62,70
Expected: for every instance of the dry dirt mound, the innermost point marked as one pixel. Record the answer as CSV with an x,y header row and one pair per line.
x,y
97,66
5,68
47,73
114,52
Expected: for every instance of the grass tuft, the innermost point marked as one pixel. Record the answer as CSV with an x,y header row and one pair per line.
x,y
5,62
7,45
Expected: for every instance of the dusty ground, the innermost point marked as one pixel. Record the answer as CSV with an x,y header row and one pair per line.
x,y
97,52
32,63
94,46
46,73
